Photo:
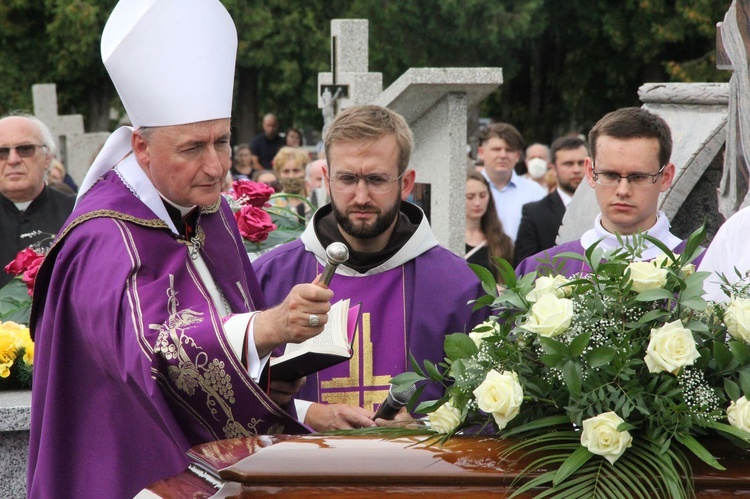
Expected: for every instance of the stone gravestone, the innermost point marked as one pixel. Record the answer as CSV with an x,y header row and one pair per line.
x,y
435,103
76,149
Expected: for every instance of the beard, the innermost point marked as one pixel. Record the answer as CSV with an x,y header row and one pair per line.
x,y
362,230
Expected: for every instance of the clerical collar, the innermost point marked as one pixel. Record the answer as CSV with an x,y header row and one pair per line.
x,y
184,218
328,231
659,231
24,205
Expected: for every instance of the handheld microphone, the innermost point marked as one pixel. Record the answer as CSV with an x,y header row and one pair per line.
x,y
394,402
337,253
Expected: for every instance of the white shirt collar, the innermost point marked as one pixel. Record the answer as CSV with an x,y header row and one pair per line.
x,y
660,231
564,196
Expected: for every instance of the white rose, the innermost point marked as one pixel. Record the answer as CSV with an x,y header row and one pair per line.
x,y
545,285
500,395
663,260
647,275
739,414
479,336
550,316
445,418
737,319
600,436
670,348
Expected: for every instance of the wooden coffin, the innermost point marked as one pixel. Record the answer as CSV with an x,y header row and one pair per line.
x,y
327,466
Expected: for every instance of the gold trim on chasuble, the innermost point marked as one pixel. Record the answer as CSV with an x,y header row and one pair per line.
x,y
369,379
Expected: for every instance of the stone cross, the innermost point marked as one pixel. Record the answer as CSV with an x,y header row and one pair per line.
x,y
732,42
435,103
76,149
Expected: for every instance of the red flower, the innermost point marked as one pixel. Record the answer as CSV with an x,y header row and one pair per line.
x,y
252,193
29,277
25,259
254,223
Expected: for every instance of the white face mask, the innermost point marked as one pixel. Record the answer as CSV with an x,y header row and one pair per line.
x,y
537,167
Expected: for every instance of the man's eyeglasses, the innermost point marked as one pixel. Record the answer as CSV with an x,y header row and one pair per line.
x,y
24,150
347,182
611,179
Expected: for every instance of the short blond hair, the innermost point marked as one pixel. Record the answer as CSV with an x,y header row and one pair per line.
x,y
286,153
371,122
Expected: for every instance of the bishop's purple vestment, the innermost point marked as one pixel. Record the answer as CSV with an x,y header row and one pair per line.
x,y
132,365
409,304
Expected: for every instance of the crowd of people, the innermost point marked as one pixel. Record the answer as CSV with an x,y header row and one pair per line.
x,y
154,329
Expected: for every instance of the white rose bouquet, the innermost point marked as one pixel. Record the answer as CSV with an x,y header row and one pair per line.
x,y
614,376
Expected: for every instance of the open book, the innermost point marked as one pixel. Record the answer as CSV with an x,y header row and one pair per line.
x,y
332,346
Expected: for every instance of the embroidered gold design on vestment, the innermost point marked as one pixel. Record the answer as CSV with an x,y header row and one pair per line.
x,y
197,373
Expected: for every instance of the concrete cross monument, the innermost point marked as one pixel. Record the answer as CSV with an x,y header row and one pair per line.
x,y
435,103
76,149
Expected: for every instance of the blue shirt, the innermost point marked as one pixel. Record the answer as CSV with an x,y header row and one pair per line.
x,y
510,199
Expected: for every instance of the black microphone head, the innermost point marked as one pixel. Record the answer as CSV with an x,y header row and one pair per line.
x,y
402,397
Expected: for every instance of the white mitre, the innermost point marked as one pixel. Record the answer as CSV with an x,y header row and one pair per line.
x,y
172,63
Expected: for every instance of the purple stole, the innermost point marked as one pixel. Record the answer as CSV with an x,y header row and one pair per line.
x,y
379,349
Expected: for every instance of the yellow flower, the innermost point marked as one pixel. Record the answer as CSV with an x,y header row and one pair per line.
x,y
8,349
13,337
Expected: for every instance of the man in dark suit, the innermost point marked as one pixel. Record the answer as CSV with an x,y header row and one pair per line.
x,y
541,219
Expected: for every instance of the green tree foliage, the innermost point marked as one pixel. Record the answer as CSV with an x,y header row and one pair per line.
x,y
565,64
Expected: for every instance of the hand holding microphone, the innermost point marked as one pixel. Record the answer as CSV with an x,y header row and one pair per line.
x,y
394,402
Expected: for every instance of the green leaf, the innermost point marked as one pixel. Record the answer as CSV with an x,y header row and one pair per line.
x,y
406,379
600,356
580,457
489,284
653,315
732,389
654,295
573,377
579,344
459,346
552,359
745,382
722,355
696,303
506,272
701,452
740,351
553,346
432,371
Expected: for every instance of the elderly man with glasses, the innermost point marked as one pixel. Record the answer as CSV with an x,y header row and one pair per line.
x,y
628,169
413,291
30,211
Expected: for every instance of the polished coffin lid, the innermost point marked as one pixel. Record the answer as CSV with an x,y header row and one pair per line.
x,y
413,461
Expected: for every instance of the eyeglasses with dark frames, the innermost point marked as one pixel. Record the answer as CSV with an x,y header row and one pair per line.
x,y
24,150
610,179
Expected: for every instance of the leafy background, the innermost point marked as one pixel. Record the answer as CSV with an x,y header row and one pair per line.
x,y
565,64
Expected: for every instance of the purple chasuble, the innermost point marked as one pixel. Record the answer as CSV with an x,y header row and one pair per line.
x,y
546,264
379,348
433,301
132,366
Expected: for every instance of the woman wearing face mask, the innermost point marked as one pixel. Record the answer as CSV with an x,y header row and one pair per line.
x,y
485,238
